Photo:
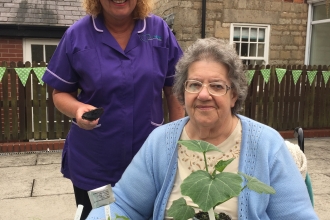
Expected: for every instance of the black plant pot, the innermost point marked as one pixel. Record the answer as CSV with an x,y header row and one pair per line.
x,y
205,216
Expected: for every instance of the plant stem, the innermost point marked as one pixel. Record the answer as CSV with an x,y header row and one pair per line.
x,y
211,214
206,168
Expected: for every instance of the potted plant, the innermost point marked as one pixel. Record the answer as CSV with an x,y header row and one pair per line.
x,y
217,187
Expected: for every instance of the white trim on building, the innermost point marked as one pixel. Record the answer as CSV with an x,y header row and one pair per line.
x,y
29,42
317,34
251,42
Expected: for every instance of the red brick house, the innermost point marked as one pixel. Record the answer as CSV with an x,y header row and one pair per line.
x,y
30,30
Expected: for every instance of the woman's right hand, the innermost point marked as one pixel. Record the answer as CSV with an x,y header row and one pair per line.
x,y
68,104
83,123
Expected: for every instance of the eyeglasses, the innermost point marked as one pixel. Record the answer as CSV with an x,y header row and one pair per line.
x,y
214,88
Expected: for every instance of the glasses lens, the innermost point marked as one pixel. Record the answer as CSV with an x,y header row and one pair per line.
x,y
217,88
193,86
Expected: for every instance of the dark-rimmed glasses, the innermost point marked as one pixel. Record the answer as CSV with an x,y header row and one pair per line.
x,y
215,88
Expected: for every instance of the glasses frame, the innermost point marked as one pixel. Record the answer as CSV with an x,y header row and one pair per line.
x,y
204,85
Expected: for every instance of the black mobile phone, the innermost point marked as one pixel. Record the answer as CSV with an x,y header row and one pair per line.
x,y
93,114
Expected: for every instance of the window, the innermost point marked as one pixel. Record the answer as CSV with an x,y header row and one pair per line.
x,y
318,31
39,49
251,42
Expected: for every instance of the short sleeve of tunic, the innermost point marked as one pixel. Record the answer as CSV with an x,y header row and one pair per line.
x,y
60,75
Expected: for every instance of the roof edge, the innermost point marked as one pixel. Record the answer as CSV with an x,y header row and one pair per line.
x,y
41,31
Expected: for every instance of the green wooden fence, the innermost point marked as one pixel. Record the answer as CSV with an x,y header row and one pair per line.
x,y
282,97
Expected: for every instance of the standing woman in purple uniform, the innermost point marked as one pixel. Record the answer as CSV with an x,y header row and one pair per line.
x,y
121,58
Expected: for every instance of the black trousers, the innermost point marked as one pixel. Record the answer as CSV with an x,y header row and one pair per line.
x,y
82,199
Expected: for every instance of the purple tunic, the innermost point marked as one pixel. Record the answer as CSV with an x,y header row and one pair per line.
x,y
127,84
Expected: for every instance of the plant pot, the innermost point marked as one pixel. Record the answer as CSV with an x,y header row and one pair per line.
x,y
205,216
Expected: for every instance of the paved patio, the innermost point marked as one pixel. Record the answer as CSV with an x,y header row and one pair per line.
x,y
33,188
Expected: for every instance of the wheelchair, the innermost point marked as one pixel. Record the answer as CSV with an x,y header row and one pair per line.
x,y
299,133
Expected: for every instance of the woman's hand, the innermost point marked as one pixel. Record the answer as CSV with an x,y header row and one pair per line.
x,y
68,104
83,123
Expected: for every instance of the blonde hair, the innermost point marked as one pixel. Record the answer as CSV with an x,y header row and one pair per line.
x,y
143,8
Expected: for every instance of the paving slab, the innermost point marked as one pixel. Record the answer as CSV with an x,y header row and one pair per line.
x,y
52,186
318,166
29,172
320,184
17,160
321,206
54,207
49,158
15,189
320,153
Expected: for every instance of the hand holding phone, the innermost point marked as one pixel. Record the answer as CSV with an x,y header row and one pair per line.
x,y
93,114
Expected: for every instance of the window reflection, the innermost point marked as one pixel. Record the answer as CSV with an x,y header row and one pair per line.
x,y
50,49
37,53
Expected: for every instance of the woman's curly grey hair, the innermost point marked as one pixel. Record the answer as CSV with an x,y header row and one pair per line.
x,y
142,10
219,51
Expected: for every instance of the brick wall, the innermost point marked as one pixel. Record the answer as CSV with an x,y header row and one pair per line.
x,y
287,20
11,49
31,146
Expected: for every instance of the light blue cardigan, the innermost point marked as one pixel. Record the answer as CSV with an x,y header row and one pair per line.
x,y
145,186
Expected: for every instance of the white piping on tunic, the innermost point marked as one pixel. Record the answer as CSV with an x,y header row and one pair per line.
x,y
59,77
144,26
169,76
153,123
98,125
99,30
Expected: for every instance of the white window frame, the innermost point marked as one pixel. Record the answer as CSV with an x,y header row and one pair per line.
x,y
310,24
27,42
265,57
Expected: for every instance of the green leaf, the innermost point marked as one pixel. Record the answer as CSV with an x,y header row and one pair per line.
x,y
207,191
120,217
180,210
198,146
222,164
257,186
